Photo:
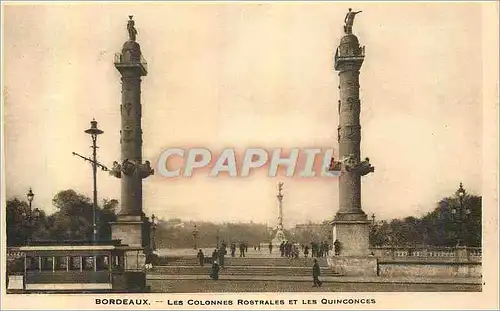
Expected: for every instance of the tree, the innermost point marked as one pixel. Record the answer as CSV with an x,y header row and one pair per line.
x,y
19,230
105,216
444,226
451,221
379,234
72,220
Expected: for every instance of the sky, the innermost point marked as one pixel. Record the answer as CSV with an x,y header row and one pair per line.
x,y
246,75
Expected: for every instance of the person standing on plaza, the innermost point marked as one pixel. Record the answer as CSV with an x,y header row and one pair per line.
x,y
233,249
336,247
270,247
222,253
326,249
214,272
201,257
215,255
316,274
295,251
242,249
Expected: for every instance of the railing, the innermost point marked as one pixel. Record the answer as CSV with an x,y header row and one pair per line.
x,y
428,253
119,59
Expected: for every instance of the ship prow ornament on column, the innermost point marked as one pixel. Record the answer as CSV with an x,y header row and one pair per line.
x,y
131,170
351,227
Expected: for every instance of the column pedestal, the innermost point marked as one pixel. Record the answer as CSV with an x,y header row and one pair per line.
x,y
353,235
128,229
280,237
354,258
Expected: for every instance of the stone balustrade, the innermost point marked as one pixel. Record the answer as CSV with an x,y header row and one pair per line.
x,y
460,253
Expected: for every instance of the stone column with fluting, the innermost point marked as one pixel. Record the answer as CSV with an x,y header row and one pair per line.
x,y
350,226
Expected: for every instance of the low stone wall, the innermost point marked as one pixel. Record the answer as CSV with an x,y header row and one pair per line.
x,y
429,269
353,265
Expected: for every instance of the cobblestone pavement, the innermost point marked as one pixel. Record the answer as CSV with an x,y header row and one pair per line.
x,y
334,279
203,286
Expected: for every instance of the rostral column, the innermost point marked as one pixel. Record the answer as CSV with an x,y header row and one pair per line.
x,y
131,170
351,227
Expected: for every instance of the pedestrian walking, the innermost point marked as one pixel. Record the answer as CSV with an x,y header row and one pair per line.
x,y
316,274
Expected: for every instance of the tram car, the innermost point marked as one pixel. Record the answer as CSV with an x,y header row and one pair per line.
x,y
76,267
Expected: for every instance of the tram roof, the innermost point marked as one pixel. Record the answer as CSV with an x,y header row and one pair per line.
x,y
73,242
67,245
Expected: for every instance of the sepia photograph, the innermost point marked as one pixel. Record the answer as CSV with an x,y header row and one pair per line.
x,y
314,155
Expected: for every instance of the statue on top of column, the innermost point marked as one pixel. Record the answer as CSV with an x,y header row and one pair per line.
x,y
349,21
132,32
280,188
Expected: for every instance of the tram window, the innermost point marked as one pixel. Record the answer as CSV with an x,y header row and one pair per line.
x,y
118,262
32,263
47,263
88,263
75,263
102,263
61,263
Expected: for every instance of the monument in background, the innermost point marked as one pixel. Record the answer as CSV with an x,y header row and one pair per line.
x,y
351,226
130,220
280,233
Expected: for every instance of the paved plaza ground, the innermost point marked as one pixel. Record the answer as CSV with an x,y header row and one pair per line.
x,y
204,286
237,280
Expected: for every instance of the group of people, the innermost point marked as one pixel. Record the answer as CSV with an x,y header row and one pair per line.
x,y
288,249
217,260
318,249
218,257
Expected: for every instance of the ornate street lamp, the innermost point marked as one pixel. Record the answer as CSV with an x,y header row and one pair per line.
x,y
31,215
153,229
93,131
460,214
373,219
